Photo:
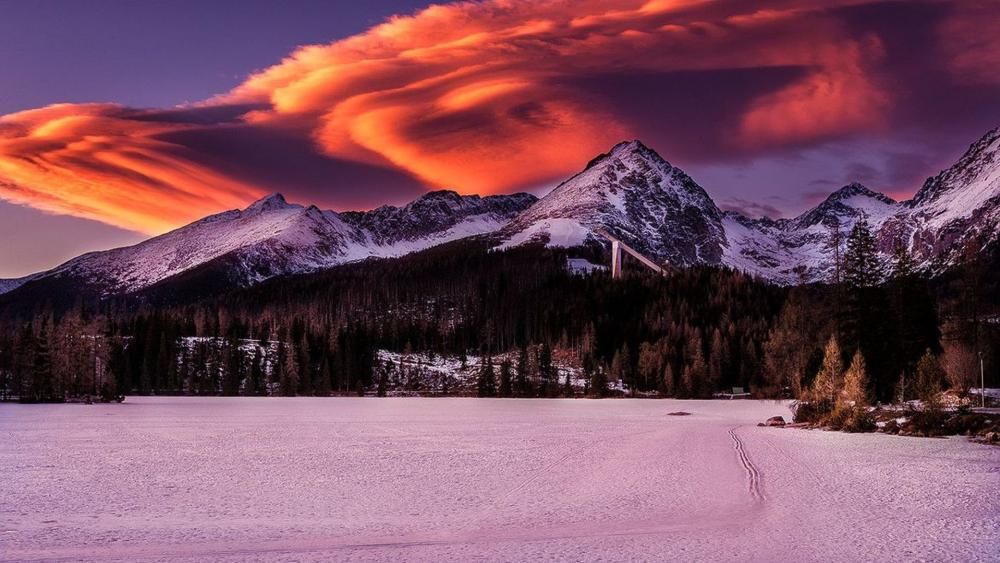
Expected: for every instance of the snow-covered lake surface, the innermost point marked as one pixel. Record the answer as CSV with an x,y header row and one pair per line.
x,y
269,479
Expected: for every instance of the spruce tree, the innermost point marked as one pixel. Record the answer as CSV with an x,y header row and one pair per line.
x,y
522,385
667,381
545,370
862,267
869,325
383,379
598,382
486,382
289,382
506,379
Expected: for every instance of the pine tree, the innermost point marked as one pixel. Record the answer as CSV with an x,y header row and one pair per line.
x,y
667,381
233,367
862,267
522,385
835,241
43,378
715,361
598,382
856,381
868,320
383,379
545,370
914,312
486,382
322,384
930,377
621,367
256,384
506,379
289,382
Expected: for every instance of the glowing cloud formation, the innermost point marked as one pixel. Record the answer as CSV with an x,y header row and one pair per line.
x,y
482,97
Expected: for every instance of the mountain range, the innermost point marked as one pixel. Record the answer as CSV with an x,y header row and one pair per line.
x,y
630,191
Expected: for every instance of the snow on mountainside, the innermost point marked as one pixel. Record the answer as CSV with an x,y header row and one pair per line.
x,y
636,195
958,205
444,212
273,237
660,210
630,191
794,250
13,283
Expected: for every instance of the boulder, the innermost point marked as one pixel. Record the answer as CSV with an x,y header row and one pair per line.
x,y
775,421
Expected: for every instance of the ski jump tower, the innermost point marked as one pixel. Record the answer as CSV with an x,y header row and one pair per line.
x,y
617,246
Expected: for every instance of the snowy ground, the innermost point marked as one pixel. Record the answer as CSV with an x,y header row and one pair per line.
x,y
430,479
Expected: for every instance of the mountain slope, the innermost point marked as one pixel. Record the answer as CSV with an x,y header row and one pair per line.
x,y
660,210
959,205
272,237
634,194
630,191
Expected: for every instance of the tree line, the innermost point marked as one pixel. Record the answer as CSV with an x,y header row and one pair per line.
x,y
690,334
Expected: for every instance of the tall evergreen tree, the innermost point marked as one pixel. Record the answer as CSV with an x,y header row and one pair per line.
x,y
598,382
506,379
546,371
862,267
868,325
486,382
522,385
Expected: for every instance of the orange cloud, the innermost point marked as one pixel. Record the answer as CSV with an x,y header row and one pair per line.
x,y
838,97
476,96
94,162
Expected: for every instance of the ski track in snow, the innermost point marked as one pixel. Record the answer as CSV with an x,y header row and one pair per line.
x,y
753,475
447,479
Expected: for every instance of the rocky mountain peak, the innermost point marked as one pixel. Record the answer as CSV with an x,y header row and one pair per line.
x,y
632,150
634,193
978,169
847,204
855,189
269,202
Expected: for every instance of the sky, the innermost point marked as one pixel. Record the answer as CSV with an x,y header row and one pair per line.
x,y
120,120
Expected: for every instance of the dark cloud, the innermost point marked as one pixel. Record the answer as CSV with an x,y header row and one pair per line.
x,y
750,208
690,115
289,162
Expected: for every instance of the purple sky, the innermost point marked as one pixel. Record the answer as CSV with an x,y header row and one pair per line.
x,y
151,53
769,105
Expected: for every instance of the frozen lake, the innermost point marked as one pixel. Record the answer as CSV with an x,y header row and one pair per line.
x,y
268,479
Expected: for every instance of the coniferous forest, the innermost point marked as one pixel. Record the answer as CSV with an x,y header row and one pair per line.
x,y
688,334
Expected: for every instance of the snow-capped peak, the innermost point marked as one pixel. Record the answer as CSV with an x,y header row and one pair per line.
x,y
655,207
855,189
635,194
268,203
846,205
273,237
